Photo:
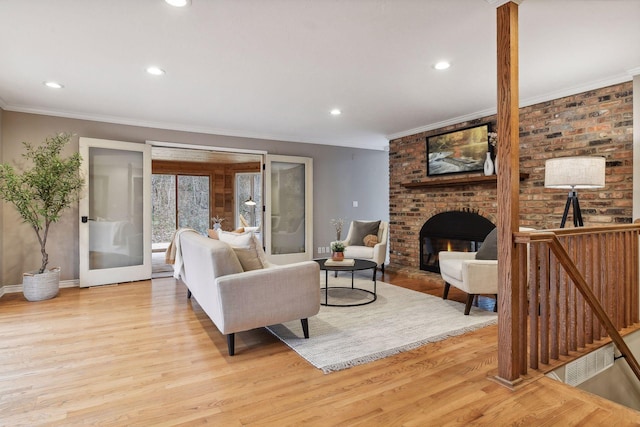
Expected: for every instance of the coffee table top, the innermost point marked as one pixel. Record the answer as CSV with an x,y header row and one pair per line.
x,y
360,264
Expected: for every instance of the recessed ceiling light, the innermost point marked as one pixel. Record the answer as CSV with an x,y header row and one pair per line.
x,y
53,85
178,3
336,112
442,65
156,71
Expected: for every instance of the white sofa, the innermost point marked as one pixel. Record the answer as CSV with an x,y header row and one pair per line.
x,y
238,300
377,253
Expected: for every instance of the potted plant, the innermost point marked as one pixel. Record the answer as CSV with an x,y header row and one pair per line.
x,y
338,251
47,185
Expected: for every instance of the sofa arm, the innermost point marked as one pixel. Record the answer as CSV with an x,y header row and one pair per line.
x,y
269,296
480,276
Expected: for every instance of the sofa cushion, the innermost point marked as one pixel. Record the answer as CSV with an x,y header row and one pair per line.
x,y
250,258
359,252
361,230
236,240
489,248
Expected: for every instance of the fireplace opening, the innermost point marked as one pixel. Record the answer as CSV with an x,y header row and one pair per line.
x,y
462,231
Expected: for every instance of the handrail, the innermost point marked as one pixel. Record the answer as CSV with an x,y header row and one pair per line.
x,y
551,238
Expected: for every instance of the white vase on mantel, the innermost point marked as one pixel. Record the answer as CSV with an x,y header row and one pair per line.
x,y
488,165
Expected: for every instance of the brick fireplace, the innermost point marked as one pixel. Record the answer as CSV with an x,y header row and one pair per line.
x,y
597,122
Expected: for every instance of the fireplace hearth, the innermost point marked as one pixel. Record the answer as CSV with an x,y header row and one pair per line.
x,y
463,231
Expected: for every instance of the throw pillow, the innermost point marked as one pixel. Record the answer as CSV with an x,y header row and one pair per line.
x,y
249,257
361,230
489,248
213,234
370,240
239,230
236,240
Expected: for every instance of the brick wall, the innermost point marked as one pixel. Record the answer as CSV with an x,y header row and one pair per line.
x,y
597,122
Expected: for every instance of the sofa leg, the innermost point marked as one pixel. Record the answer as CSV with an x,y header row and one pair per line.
x,y
231,344
305,327
445,294
467,307
188,293
495,307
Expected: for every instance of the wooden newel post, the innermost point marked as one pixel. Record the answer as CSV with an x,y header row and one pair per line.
x,y
508,194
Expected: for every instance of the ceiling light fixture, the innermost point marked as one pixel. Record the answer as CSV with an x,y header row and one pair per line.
x,y
178,3
53,85
442,65
156,71
336,112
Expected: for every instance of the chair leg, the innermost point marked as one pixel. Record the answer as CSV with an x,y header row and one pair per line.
x,y
305,327
231,344
495,307
467,307
188,294
445,294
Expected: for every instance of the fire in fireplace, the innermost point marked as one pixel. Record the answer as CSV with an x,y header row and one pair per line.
x,y
463,231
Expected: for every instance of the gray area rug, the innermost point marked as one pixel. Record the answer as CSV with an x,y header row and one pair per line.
x,y
399,320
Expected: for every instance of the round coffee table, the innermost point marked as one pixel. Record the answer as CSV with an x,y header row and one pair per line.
x,y
359,264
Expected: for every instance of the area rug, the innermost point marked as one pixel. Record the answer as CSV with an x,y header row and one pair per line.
x,y
399,320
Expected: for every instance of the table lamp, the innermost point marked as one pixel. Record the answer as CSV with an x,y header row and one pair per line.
x,y
573,173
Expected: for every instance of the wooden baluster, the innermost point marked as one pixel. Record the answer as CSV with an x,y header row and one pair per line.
x,y
545,273
580,257
534,306
522,279
589,250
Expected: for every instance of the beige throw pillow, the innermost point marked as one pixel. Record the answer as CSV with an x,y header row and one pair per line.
x,y
250,258
213,234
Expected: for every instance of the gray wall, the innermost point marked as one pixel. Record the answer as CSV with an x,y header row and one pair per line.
x,y
341,176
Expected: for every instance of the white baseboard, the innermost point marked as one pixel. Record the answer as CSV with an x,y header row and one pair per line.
x,y
8,289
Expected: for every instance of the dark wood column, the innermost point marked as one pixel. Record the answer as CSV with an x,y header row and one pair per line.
x,y
508,194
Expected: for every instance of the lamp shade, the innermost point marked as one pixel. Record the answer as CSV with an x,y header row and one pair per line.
x,y
250,202
574,172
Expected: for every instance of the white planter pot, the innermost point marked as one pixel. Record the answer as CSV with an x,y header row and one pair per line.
x,y
43,286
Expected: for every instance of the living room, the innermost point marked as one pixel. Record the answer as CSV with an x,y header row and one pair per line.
x,y
378,194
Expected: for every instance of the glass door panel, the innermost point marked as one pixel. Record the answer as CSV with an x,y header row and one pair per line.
x,y
193,202
115,229
289,208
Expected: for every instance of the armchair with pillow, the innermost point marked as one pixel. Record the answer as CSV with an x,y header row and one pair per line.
x,y
367,240
475,273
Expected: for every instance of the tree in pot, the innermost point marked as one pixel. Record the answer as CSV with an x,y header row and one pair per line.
x,y
40,193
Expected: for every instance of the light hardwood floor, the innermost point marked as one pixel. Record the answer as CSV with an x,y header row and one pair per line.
x,y
141,354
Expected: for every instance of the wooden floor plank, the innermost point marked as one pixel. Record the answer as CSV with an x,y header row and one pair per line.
x,y
143,354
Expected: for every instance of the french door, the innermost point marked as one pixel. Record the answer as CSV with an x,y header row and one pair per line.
x,y
288,209
115,215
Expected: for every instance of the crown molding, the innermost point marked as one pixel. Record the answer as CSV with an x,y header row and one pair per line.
x,y
597,84
194,129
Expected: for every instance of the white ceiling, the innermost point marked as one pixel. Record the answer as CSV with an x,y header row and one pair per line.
x,y
274,69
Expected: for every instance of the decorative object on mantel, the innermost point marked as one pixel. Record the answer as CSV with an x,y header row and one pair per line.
x,y
217,222
338,223
40,193
488,165
493,143
337,249
573,173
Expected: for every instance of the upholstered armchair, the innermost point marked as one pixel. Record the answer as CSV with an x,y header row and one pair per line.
x,y
367,240
475,273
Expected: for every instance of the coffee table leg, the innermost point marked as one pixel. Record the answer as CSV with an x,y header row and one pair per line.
x,y
326,287
352,271
375,273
